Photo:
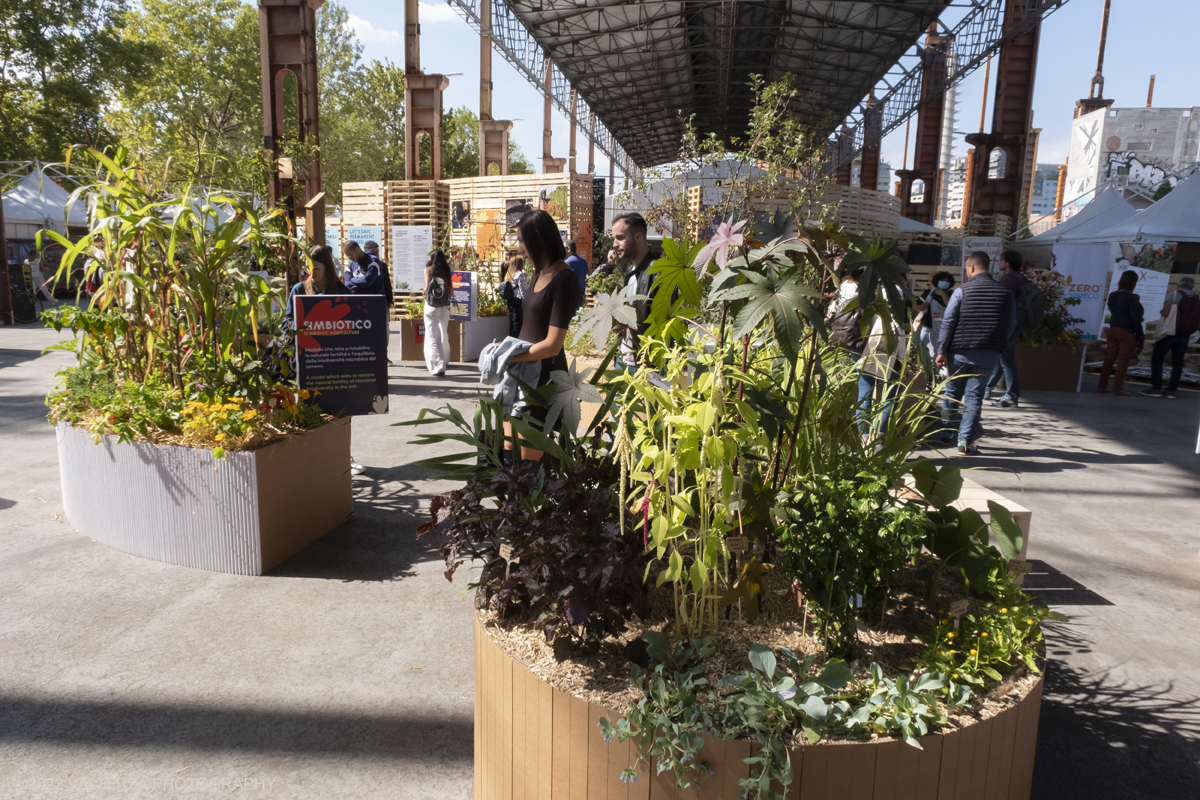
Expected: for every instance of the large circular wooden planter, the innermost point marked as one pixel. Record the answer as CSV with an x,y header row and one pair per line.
x,y
1049,368
242,514
534,742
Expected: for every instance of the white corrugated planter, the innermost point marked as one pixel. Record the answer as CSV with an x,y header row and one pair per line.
x,y
481,332
243,514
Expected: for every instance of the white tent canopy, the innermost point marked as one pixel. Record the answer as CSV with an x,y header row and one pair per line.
x,y
38,200
1106,210
1175,218
907,224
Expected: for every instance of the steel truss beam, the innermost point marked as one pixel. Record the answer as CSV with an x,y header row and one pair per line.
x,y
522,51
978,35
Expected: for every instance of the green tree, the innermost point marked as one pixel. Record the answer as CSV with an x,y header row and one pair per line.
x,y
59,60
197,115
460,146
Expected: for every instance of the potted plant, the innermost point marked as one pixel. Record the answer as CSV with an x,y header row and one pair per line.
x,y
179,432
728,564
1050,357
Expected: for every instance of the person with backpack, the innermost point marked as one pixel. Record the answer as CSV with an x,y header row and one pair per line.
x,y
437,313
1022,290
1180,319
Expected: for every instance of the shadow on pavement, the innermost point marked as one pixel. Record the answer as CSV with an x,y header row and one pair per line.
x,y
113,724
1100,737
1056,589
379,542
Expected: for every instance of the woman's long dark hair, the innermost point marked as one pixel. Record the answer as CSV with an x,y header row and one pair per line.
x,y
324,254
543,242
441,267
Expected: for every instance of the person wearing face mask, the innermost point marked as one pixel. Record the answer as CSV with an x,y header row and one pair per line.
x,y
932,308
1180,319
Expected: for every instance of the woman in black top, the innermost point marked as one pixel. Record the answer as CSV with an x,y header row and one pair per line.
x,y
550,301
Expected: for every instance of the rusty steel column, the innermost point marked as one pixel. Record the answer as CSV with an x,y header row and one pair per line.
x,y
287,32
1031,151
868,173
571,146
1012,114
845,156
485,62
592,146
547,109
928,147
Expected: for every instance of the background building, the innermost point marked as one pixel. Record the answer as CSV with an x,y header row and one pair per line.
x,y
1137,148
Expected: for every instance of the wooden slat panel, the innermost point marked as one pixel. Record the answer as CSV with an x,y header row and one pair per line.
x,y
1026,745
902,772
545,744
712,788
504,729
597,756
478,727
489,722
520,730
662,784
735,767
579,750
620,756
958,756
977,786
561,756
999,771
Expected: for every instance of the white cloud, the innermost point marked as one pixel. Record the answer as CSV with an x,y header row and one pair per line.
x,y
367,32
434,13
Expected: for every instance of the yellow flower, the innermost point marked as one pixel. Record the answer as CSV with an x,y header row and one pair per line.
x,y
249,414
304,394
984,634
955,676
1004,611
950,635
220,436
972,652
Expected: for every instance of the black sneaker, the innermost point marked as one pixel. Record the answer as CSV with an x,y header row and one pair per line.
x,y
965,449
1006,402
1169,395
1153,392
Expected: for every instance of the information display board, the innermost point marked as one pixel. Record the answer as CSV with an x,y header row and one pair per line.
x,y
988,244
464,289
341,352
410,250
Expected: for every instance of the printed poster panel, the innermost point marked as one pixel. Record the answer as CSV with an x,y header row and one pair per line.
x,y
988,244
555,201
710,197
1085,266
460,214
1151,289
410,250
364,233
464,287
489,234
514,209
341,352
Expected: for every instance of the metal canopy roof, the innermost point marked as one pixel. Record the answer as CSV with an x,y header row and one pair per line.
x,y
638,65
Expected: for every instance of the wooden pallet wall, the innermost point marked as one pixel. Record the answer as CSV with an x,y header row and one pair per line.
x,y
491,195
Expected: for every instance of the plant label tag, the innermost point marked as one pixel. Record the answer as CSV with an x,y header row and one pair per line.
x,y
957,609
737,544
1022,567
506,552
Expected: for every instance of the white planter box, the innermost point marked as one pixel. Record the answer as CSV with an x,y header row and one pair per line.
x,y
242,514
480,333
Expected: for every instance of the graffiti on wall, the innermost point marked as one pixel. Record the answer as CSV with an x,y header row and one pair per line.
x,y
1145,176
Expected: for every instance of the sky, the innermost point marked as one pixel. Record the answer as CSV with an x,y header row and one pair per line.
x,y
1145,37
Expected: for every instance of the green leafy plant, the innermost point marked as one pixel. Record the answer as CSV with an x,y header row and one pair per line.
x,y
176,318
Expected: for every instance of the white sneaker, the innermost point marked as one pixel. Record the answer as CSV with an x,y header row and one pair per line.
x,y
356,468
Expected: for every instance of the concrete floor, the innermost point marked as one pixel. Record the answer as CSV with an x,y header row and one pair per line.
x,y
347,672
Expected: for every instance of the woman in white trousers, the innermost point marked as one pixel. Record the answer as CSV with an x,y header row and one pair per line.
x,y
437,313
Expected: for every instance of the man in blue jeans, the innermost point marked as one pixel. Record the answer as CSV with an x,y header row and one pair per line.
x,y
978,322
1011,279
